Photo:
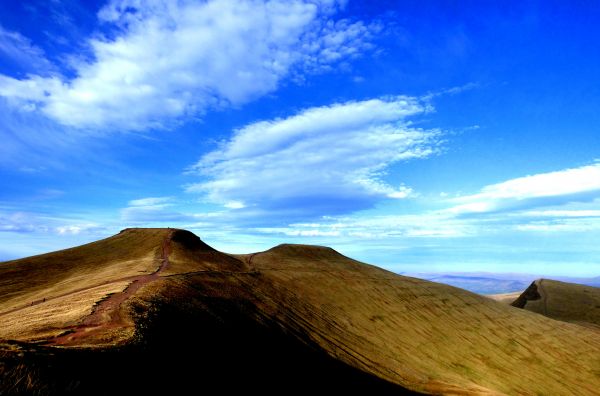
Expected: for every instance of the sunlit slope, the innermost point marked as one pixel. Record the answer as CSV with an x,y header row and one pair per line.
x,y
42,296
568,302
426,336
82,296
295,316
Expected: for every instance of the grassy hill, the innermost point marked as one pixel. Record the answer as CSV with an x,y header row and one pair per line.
x,y
568,302
158,309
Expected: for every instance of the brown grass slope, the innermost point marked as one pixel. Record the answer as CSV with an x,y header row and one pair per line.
x,y
564,301
294,317
43,296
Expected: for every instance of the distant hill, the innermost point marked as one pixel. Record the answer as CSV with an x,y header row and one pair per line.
x,y
158,310
495,283
568,302
479,284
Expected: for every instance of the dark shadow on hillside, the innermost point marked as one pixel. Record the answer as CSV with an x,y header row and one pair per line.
x,y
190,241
530,294
190,344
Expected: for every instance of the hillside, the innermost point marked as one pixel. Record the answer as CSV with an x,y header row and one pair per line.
x,y
568,302
480,284
490,283
127,314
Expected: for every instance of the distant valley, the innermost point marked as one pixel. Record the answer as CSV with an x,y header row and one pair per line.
x,y
495,283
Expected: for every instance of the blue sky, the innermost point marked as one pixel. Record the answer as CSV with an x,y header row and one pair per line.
x,y
438,137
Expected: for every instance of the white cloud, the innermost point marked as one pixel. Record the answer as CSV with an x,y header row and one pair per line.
x,y
323,160
78,229
21,222
19,50
562,225
151,201
569,201
379,227
173,59
234,205
159,210
544,189
37,223
310,233
563,213
151,209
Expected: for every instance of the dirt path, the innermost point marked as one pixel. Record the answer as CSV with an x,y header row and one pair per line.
x,y
107,314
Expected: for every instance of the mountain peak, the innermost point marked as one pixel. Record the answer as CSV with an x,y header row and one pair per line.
x,y
294,314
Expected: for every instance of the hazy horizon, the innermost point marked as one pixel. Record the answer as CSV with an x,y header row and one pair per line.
x,y
429,138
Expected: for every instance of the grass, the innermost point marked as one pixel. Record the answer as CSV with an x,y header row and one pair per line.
x,y
42,295
426,327
419,335
564,301
47,320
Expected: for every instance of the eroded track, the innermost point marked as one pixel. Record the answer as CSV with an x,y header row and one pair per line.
x,y
107,313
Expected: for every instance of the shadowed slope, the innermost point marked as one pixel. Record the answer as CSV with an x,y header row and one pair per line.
x,y
301,318
568,302
197,326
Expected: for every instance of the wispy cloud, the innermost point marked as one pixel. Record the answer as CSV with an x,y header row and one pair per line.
x,y
560,202
174,59
75,229
379,227
151,209
23,54
574,213
323,160
21,222
545,189
25,233
151,202
159,210
38,223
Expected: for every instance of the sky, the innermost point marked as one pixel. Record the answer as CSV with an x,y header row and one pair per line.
x,y
439,136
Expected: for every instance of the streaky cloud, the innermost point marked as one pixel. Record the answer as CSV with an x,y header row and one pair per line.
x,y
174,60
321,161
580,184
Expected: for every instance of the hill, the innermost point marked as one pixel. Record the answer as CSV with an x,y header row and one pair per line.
x,y
568,302
480,284
158,309
490,283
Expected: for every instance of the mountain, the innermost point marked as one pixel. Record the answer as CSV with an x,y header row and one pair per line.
x,y
158,310
568,302
481,284
494,283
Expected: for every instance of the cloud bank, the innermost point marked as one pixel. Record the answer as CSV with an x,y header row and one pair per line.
x,y
162,60
563,201
322,161
545,189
